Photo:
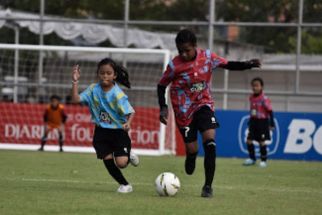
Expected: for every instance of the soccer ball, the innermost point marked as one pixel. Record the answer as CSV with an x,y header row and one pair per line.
x,y
167,184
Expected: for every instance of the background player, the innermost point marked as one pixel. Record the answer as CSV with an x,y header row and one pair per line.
x,y
112,114
260,123
190,74
54,118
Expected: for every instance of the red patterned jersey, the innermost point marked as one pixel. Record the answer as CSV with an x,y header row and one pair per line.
x,y
260,106
190,84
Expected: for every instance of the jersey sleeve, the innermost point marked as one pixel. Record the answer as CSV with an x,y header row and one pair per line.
x,y
85,96
124,106
217,61
168,75
268,104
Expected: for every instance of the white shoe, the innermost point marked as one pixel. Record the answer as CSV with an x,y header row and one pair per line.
x,y
134,159
263,164
125,189
249,162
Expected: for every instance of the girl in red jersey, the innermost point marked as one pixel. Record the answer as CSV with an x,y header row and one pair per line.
x,y
260,123
190,75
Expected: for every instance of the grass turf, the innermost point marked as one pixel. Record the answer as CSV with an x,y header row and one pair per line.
x,y
67,183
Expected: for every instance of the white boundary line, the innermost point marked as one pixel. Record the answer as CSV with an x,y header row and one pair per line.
x,y
77,149
223,187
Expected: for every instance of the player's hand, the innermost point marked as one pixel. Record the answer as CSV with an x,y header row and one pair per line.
x,y
76,73
126,126
164,115
255,63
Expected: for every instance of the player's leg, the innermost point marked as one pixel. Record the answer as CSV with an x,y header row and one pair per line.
x,y
264,134
61,138
116,173
104,144
191,156
250,145
263,152
207,123
189,134
122,155
44,139
251,152
209,161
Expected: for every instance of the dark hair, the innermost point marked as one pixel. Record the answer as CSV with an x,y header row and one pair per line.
x,y
54,97
260,80
122,77
186,36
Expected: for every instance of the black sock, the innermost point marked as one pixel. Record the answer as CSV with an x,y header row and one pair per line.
x,y
209,161
115,172
61,141
192,156
263,150
190,163
251,151
43,141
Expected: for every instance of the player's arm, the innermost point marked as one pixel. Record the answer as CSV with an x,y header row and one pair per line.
x,y
127,125
64,116
271,120
161,89
75,79
241,65
46,116
162,104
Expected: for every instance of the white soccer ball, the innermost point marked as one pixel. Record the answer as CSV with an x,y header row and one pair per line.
x,y
167,184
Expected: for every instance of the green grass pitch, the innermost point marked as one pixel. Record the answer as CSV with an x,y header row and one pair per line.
x,y
67,183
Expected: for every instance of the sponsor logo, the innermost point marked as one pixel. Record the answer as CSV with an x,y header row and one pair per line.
x,y
302,136
198,87
272,145
105,117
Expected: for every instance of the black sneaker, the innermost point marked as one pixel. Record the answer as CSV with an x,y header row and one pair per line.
x,y
190,165
206,192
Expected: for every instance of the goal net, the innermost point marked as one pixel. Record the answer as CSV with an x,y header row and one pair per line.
x,y
29,75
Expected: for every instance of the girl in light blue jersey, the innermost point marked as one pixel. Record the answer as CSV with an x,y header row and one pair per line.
x,y
112,114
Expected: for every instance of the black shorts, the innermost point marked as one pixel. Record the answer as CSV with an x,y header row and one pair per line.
x,y
259,130
111,141
203,119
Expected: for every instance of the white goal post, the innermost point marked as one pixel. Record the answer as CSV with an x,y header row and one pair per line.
x,y
30,74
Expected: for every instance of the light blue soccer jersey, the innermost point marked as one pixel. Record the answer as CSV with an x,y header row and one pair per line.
x,y
108,109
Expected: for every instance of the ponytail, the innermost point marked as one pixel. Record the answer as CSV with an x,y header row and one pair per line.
x,y
122,76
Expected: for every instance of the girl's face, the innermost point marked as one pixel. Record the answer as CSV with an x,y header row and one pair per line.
x,y
187,51
54,103
106,75
257,87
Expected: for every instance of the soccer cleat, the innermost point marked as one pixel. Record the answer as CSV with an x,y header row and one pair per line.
x,y
206,192
249,162
134,159
125,189
61,150
263,164
190,165
41,149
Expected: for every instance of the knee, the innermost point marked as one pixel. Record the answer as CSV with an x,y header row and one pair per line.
x,y
210,147
122,163
191,149
249,142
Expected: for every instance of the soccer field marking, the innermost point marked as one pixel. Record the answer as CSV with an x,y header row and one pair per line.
x,y
243,188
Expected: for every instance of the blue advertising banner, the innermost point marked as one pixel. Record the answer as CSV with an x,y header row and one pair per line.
x,y
297,136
